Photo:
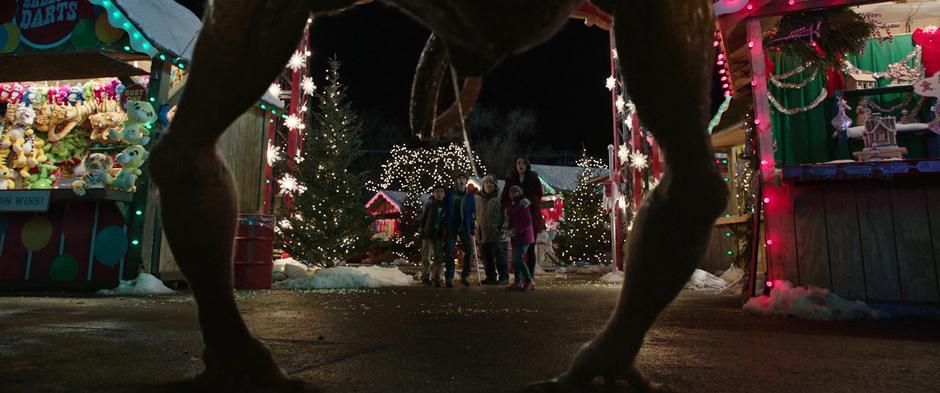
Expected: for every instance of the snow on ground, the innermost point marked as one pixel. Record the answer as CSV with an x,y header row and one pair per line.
x,y
348,277
288,268
700,281
586,269
705,281
809,303
613,278
144,284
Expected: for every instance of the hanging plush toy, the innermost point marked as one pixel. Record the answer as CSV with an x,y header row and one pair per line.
x,y
131,159
140,115
96,167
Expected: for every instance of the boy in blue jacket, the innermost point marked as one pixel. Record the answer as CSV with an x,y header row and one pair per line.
x,y
459,222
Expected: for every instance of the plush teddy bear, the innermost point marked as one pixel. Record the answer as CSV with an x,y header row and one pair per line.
x,y
96,173
131,159
19,135
6,178
140,115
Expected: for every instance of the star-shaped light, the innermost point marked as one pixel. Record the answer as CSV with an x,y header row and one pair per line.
x,y
285,224
611,83
613,53
638,161
621,104
294,122
274,154
275,90
288,184
623,153
308,86
297,61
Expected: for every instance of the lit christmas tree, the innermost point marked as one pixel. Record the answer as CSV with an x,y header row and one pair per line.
x,y
415,171
327,221
584,232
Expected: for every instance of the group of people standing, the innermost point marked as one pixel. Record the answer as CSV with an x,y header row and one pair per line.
x,y
495,220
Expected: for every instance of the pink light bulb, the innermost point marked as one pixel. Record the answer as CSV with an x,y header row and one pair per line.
x,y
750,6
720,62
792,2
721,71
724,79
763,162
715,43
757,122
770,242
753,82
750,44
770,284
767,200
724,86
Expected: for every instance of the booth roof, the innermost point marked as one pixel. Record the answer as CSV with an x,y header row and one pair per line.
x,y
562,178
171,27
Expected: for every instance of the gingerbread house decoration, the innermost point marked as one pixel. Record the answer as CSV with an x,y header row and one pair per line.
x,y
858,81
880,140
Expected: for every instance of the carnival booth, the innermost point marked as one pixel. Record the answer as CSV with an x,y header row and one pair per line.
x,y
87,87
846,142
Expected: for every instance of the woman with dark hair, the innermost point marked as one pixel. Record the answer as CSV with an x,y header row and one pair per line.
x,y
523,176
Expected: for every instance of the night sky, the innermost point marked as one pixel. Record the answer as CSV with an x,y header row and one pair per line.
x,y
562,81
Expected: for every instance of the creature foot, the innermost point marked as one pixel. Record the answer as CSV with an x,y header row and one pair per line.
x,y
601,358
247,369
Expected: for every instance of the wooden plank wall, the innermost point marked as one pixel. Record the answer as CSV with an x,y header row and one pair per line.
x,y
717,258
871,240
242,147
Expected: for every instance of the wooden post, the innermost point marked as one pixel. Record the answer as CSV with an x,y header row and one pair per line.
x,y
764,138
146,228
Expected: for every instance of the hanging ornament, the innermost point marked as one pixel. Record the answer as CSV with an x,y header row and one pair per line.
x,y
842,121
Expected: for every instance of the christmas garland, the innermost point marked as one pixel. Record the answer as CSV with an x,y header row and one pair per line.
x,y
787,111
903,104
785,85
899,71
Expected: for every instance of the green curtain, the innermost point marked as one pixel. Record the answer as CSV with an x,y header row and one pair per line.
x,y
806,138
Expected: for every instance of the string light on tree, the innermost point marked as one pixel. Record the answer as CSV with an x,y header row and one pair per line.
x,y
328,223
584,232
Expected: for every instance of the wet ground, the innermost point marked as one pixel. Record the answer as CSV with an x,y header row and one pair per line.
x,y
454,340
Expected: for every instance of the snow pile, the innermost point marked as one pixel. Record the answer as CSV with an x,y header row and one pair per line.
x,y
349,277
144,284
613,278
705,281
700,281
288,268
809,303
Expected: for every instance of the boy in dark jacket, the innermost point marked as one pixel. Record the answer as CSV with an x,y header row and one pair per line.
x,y
432,234
460,205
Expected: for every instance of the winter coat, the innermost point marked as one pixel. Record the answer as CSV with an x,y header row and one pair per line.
x,y
434,220
520,223
532,188
492,225
468,208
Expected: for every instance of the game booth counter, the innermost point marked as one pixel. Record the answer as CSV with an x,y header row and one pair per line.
x,y
86,87
842,141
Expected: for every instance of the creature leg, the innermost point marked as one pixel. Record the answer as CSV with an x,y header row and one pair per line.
x,y
242,47
666,59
